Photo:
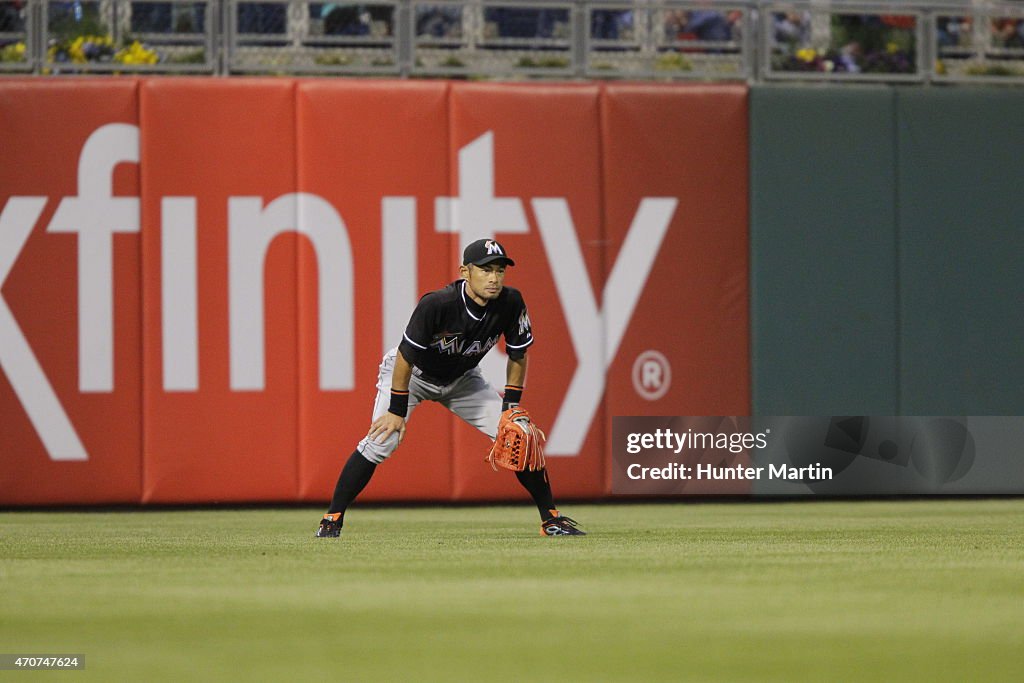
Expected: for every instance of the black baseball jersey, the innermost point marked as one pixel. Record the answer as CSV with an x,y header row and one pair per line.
x,y
448,333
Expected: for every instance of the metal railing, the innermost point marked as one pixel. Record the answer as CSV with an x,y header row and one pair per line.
x,y
521,39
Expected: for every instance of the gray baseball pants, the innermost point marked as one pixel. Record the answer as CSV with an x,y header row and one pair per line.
x,y
470,397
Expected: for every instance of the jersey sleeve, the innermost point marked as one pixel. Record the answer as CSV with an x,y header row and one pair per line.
x,y
518,334
420,329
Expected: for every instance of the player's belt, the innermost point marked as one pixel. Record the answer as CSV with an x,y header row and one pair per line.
x,y
429,379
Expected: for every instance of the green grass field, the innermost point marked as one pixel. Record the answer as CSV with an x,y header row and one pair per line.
x,y
817,591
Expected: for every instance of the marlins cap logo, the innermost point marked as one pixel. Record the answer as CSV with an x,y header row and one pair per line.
x,y
493,247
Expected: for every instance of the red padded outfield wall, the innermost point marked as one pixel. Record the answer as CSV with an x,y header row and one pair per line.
x,y
70,292
205,437
241,252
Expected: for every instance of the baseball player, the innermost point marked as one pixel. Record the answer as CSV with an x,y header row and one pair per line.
x,y
448,334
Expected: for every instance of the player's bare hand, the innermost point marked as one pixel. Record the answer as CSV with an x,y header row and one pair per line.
x,y
384,426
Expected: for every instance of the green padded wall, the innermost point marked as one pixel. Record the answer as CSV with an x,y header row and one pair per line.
x,y
961,250
823,257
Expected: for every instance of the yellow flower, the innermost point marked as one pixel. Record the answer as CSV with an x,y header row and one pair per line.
x,y
806,54
136,53
892,48
75,49
14,52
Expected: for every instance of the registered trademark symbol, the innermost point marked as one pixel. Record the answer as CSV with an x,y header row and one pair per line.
x,y
652,375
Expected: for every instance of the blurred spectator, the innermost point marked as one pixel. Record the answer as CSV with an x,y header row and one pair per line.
x,y
708,25
849,58
11,20
381,19
439,21
197,21
525,22
865,33
350,19
345,20
611,24
793,28
1008,32
950,31
906,22
705,25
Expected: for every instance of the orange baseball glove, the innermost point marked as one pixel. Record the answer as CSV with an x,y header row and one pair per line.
x,y
519,444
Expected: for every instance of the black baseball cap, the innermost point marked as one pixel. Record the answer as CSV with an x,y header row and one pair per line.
x,y
482,252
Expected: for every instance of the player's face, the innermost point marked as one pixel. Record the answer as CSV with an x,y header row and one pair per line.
x,y
484,282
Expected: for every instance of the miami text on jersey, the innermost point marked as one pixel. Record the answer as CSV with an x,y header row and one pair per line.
x,y
450,344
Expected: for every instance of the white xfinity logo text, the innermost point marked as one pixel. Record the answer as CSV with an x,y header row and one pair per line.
x,y
95,216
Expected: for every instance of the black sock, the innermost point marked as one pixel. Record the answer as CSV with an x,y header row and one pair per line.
x,y
353,479
536,482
